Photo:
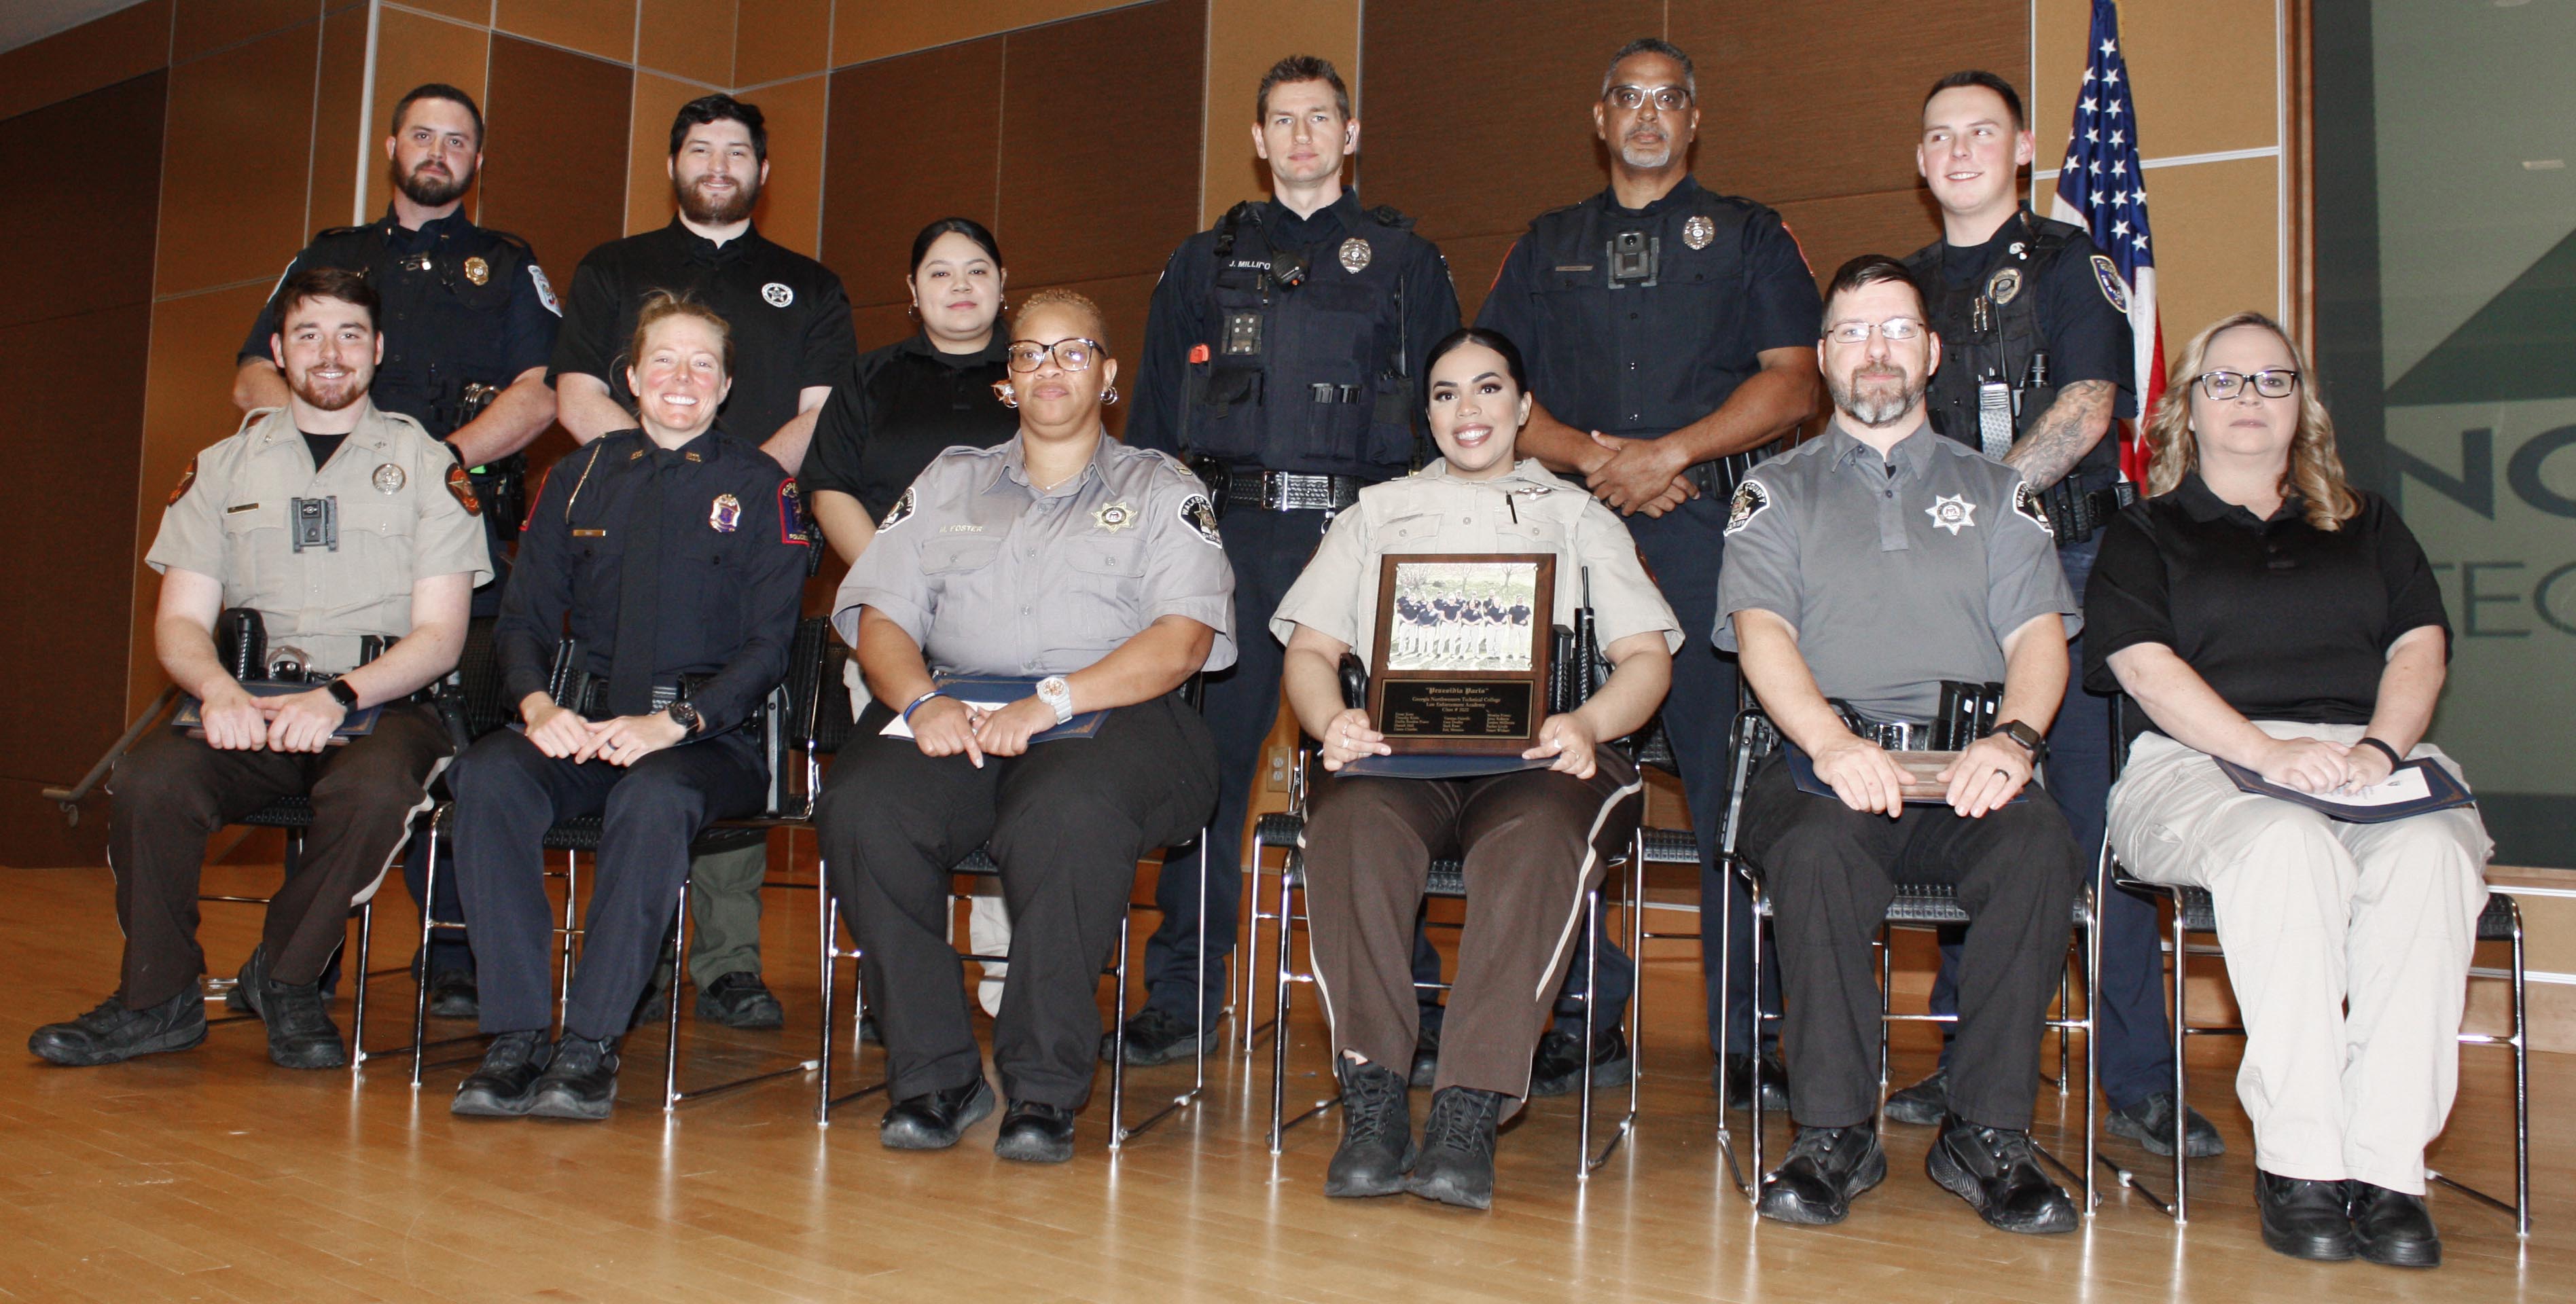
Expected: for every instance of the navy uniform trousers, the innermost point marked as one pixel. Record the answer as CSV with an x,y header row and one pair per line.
x,y
508,794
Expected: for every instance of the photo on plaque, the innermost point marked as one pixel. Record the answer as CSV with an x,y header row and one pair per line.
x,y
1460,664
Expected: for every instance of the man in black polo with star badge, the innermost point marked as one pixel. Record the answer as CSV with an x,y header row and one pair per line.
x,y
1671,334
792,340
468,321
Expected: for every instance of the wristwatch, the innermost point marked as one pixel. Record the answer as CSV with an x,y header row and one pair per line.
x,y
1058,695
342,693
687,717
2028,737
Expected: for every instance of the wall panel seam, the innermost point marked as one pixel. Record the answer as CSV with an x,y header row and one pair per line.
x,y
229,46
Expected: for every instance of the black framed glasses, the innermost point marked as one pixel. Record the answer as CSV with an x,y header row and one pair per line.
x,y
1670,99
1898,330
1073,354
2271,382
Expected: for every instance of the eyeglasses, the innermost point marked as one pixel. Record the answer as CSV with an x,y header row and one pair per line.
x,y
2271,382
1670,99
1898,330
1073,354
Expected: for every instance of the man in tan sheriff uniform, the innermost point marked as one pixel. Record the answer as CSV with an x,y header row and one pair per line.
x,y
333,521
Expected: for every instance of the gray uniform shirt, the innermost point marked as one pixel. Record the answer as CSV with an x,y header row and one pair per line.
x,y
405,510
992,577
1526,509
1896,574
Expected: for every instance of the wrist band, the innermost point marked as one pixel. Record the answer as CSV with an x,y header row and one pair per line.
x,y
2384,749
916,702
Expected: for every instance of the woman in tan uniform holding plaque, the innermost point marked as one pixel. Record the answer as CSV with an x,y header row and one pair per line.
x,y
1533,831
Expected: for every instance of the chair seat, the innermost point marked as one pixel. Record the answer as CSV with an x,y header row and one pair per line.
x,y
582,833
1671,847
2200,912
283,813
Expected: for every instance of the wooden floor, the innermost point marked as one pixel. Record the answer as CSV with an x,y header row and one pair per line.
x,y
212,1175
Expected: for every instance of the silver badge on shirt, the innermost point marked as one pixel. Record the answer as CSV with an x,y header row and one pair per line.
x,y
1355,255
1698,231
2004,286
388,479
1952,512
778,295
724,516
1114,517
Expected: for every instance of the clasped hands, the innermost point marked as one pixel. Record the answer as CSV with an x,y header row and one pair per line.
x,y
1566,742
2321,765
619,740
236,720
1639,475
944,726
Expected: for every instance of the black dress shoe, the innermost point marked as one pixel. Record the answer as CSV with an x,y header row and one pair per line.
x,y
2394,1228
740,1000
1456,1165
300,1032
1826,1169
931,1121
112,1033
452,994
1377,1133
1558,1066
1735,1076
1998,1174
1426,1056
581,1081
868,1034
1157,1036
1924,1103
249,983
1035,1133
506,1082
2150,1123
2304,1219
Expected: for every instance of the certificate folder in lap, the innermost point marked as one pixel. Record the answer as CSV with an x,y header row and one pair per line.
x,y
357,724
992,693
2416,787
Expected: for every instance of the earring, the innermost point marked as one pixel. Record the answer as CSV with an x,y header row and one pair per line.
x,y
913,311
1109,396
1002,391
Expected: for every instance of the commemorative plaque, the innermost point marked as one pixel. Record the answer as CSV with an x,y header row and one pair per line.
x,y
1461,661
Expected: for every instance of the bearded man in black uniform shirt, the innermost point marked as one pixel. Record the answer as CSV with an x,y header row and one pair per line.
x,y
790,325
468,321
1281,356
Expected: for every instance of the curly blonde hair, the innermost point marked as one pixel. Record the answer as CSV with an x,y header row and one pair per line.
x,y
2315,471
1053,298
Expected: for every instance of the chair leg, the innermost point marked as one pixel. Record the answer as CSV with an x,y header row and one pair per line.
x,y
1280,988
2182,1077
2521,1093
823,965
1753,1188
671,1016
571,936
1591,1003
1118,1042
420,997
358,995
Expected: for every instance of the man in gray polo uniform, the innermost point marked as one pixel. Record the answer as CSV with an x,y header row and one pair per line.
x,y
1869,566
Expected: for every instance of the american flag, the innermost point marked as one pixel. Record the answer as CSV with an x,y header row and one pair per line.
x,y
2103,189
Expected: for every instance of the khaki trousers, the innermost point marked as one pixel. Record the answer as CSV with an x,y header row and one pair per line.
x,y
2347,944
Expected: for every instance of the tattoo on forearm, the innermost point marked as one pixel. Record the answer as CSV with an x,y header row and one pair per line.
x,y
2065,433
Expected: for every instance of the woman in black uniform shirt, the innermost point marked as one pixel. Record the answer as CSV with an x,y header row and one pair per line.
x,y
901,404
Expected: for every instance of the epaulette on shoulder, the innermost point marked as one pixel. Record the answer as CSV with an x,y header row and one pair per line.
x,y
1389,215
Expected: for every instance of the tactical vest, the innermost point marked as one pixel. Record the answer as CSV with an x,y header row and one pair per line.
x,y
1990,333
444,327
1307,371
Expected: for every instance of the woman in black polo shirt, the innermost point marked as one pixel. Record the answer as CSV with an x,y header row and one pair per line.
x,y
2259,609
901,404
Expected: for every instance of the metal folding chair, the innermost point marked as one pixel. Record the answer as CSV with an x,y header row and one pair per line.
x,y
294,815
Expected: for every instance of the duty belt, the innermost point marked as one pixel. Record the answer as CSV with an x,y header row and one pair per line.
x,y
594,695
1278,491
2077,514
1899,735
1717,477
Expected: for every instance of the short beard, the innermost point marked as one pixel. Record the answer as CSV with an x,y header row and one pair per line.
x,y
1637,158
1877,411
430,193
745,195
329,400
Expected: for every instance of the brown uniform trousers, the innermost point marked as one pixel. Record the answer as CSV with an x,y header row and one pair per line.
x,y
172,792
1532,842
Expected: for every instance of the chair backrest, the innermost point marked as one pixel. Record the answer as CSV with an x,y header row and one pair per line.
x,y
834,719
475,685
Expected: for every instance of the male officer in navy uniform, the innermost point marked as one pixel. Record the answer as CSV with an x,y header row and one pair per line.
x,y
1670,334
2036,362
792,340
468,323
1282,353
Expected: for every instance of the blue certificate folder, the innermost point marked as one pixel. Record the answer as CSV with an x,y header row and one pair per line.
x,y
2413,788
358,724
1002,690
1424,765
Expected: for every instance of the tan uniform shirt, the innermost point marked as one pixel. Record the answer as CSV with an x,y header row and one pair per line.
x,y
232,518
1525,510
992,577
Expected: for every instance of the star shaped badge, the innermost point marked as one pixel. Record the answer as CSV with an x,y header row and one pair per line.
x,y
1952,512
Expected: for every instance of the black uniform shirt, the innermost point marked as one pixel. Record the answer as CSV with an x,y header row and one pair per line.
x,y
1184,313
444,328
2087,336
897,408
790,319
2284,621
1644,361
732,558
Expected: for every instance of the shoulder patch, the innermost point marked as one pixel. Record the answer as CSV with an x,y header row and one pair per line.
x,y
545,288
2113,288
1752,498
897,514
186,478
462,486
791,515
2026,505
1199,514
